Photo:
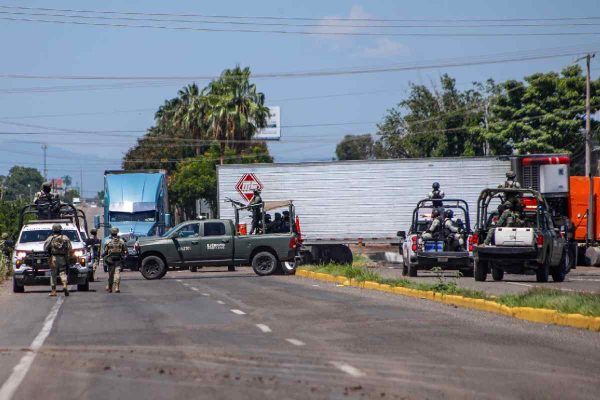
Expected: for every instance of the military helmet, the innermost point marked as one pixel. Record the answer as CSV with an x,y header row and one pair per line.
x,y
449,213
4,236
435,213
93,231
114,231
511,175
56,228
256,190
435,186
46,186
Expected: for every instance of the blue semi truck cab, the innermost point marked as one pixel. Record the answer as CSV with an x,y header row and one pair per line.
x,y
137,203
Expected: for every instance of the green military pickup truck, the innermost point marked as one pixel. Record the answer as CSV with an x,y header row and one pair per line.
x,y
193,244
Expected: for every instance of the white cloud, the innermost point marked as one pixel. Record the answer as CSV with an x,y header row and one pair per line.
x,y
385,47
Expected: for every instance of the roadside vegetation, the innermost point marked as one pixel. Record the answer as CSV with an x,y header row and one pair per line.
x,y
566,302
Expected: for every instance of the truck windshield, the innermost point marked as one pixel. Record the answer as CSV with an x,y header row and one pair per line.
x,y
173,229
42,234
144,216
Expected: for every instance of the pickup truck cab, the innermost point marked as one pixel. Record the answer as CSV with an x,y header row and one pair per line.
x,y
534,244
215,242
442,251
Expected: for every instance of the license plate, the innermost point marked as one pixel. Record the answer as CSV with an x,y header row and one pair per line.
x,y
442,259
48,273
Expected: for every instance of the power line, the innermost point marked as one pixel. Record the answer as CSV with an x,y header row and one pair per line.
x,y
305,33
294,18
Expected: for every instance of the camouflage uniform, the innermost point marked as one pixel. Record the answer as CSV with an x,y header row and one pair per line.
x,y
507,219
434,227
114,253
58,247
255,206
453,230
436,194
95,247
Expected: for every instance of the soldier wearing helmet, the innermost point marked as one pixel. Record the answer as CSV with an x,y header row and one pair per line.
x,y
58,247
94,244
510,182
45,193
436,194
115,252
48,203
452,231
256,206
435,226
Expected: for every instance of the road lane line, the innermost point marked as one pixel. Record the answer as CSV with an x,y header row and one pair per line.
x,y
524,284
349,369
220,302
205,294
238,312
11,385
178,280
195,289
584,280
264,328
295,342
520,284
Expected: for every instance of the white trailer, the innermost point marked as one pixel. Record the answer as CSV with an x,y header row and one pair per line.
x,y
349,202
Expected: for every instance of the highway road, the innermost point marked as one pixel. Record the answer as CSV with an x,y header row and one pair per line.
x,y
222,335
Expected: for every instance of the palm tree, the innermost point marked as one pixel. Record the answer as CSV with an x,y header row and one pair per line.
x,y
188,114
235,109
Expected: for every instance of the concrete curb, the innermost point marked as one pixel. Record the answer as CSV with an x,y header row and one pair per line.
x,y
539,315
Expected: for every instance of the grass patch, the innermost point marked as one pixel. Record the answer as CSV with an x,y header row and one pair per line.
x,y
4,270
551,299
566,302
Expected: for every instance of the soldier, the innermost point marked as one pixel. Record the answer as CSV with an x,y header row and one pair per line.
x,y
48,204
58,247
44,194
256,207
452,229
115,252
434,227
436,194
508,218
94,244
510,182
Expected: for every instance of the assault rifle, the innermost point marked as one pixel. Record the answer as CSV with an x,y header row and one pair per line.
x,y
235,203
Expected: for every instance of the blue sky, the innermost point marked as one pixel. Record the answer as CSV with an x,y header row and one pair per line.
x,y
52,49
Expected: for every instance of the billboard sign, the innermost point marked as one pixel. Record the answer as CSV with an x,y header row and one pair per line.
x,y
273,129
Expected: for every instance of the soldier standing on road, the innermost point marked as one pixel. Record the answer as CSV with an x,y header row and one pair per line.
x,y
94,244
255,206
115,252
436,194
58,247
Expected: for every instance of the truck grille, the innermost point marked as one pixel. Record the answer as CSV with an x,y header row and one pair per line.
x,y
531,177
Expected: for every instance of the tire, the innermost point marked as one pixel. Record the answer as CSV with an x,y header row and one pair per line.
x,y
542,273
264,263
497,274
559,273
84,287
193,269
288,267
231,268
340,254
412,270
480,270
18,288
153,267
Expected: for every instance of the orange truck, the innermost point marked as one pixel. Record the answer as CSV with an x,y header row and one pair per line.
x,y
579,191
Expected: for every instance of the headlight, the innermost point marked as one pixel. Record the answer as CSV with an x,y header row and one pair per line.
x,y
78,253
20,254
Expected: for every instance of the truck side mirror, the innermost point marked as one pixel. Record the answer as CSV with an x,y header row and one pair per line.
x,y
96,221
401,235
167,220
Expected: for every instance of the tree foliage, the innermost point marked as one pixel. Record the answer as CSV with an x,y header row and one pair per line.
x,y
355,147
21,182
9,216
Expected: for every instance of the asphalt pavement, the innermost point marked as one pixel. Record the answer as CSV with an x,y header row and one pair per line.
x,y
232,335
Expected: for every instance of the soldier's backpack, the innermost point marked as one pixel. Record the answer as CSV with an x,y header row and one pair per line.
x,y
59,245
114,249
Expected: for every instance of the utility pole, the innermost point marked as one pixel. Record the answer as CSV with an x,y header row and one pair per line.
x,y
45,149
588,153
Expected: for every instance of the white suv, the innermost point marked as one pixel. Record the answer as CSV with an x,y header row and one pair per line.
x,y
30,262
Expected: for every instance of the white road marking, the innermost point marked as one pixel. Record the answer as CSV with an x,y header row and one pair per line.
x,y
295,342
316,285
205,294
11,385
520,284
525,284
584,280
220,302
178,280
264,328
349,369
186,284
238,312
195,289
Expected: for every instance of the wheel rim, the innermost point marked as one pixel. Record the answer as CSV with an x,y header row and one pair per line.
x,y
152,269
264,263
289,265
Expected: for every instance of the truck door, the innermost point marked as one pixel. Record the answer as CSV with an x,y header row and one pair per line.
x,y
216,244
187,244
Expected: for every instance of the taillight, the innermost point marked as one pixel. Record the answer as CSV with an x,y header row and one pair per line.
x,y
414,243
293,243
82,261
473,240
540,240
298,230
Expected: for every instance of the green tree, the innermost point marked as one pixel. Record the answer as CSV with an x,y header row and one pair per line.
x,y
9,216
70,194
67,180
543,114
189,113
355,147
22,182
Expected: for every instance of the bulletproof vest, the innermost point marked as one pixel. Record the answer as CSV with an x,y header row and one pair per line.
x,y
59,245
114,247
436,194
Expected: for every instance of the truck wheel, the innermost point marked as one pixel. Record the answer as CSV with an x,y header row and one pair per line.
x,y
288,267
559,273
497,274
193,269
542,273
84,287
264,263
153,267
480,270
18,288
412,270
231,268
